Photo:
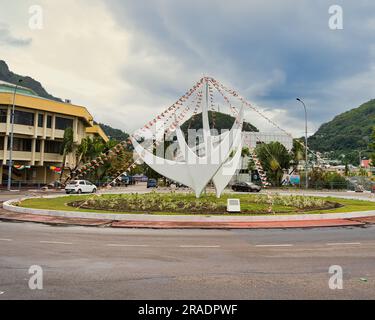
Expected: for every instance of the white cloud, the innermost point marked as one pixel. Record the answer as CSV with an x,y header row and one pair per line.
x,y
128,60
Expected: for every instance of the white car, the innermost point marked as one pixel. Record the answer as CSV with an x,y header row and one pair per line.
x,y
80,186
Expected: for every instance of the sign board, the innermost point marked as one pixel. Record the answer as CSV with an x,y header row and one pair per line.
x,y
295,179
233,205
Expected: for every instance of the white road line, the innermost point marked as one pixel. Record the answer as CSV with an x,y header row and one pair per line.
x,y
274,245
342,243
6,240
198,246
55,242
127,245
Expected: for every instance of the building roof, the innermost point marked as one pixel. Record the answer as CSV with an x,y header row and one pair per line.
x,y
27,98
9,87
96,129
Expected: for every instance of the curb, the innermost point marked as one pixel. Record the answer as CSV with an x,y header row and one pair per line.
x,y
8,205
59,221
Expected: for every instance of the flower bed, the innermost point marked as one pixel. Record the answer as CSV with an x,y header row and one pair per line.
x,y
187,203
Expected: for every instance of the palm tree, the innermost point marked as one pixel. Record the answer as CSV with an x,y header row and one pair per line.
x,y
274,158
297,152
66,147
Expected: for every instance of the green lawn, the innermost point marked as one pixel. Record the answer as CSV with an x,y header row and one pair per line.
x,y
61,203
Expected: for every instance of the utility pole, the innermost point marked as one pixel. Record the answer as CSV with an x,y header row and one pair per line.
x,y
306,166
10,164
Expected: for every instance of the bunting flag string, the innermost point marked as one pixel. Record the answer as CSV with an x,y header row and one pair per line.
x,y
174,115
251,106
89,167
198,101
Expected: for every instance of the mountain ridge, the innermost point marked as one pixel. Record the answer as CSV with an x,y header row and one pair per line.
x,y
346,133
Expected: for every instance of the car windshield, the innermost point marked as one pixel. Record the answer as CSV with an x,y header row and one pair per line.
x,y
73,182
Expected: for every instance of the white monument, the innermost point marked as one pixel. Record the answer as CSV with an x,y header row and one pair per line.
x,y
218,163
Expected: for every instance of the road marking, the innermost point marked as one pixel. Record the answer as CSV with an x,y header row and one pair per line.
x,y
2,292
274,245
6,240
127,245
342,243
55,242
199,246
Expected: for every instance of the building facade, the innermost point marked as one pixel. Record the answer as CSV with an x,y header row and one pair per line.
x,y
38,129
252,139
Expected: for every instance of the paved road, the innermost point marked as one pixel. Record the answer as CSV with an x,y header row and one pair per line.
x,y
83,263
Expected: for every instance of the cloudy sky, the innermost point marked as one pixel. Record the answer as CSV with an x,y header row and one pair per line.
x,y
128,60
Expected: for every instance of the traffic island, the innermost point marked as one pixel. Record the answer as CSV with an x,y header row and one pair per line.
x,y
66,212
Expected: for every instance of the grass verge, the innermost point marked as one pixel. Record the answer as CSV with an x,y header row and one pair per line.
x,y
61,203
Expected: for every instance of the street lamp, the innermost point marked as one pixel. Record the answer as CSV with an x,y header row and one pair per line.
x,y
304,106
10,164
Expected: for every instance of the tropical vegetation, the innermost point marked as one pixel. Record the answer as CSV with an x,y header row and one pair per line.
x,y
275,159
347,133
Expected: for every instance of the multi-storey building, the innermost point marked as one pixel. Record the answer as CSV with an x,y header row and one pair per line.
x,y
39,126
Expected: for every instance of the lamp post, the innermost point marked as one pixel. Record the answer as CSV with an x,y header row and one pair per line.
x,y
10,164
306,173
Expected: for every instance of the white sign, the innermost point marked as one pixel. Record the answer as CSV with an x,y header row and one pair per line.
x,y
233,205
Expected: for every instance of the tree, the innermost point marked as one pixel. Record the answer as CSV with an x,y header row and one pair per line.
x,y
297,152
274,158
66,147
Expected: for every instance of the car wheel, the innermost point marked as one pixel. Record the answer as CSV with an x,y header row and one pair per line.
x,y
94,190
79,191
67,192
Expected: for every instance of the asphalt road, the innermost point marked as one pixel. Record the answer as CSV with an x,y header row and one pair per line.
x,y
101,263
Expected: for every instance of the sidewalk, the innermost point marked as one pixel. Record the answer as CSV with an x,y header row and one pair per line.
x,y
51,220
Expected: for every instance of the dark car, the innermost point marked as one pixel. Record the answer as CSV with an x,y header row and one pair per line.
x,y
152,183
246,186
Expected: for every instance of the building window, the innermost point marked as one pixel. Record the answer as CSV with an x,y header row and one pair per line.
x,y
51,146
63,123
37,145
1,142
49,121
20,144
23,117
40,120
3,115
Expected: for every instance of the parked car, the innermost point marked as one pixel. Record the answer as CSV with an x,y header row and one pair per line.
x,y
80,186
175,184
246,186
152,183
359,188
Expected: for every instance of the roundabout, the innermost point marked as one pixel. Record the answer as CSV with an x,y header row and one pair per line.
x,y
183,210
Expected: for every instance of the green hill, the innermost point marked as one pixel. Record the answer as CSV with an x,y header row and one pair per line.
x,y
28,82
216,120
115,134
346,133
